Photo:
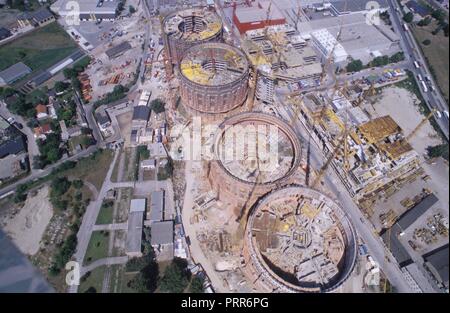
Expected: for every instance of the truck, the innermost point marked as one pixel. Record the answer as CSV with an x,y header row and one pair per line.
x,y
416,64
419,77
405,27
424,86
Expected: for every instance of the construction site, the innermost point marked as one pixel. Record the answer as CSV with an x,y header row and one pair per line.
x,y
254,154
281,58
299,240
213,79
184,29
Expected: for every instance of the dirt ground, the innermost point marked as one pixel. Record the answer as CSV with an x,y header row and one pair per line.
x,y
402,106
27,227
124,121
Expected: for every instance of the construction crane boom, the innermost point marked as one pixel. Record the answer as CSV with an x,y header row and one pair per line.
x,y
419,126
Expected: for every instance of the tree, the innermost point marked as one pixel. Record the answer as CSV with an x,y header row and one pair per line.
x,y
439,151
426,42
78,183
438,14
355,66
59,186
157,106
196,285
408,17
61,86
425,21
176,277
131,9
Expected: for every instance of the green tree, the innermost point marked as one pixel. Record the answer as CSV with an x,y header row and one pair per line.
x,y
355,66
176,277
131,9
408,17
157,106
426,42
196,285
61,86
439,151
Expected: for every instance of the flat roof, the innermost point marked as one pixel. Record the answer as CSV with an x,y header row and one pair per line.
x,y
138,205
157,206
87,6
162,233
410,216
439,259
134,233
14,72
141,113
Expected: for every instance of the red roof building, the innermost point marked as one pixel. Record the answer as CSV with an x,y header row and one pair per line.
x,y
255,17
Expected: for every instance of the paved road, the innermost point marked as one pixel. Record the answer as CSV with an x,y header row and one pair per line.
x,y
434,99
105,261
364,229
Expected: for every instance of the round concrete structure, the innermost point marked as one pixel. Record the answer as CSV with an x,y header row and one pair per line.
x,y
213,78
299,240
240,174
186,28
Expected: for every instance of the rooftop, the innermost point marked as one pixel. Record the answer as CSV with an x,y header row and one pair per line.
x,y
157,206
138,205
162,233
141,113
14,72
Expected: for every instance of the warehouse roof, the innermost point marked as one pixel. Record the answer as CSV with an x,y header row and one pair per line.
x,y
137,205
410,216
13,146
157,205
4,33
41,15
14,72
356,6
439,259
141,113
134,233
390,237
117,50
162,233
255,14
417,8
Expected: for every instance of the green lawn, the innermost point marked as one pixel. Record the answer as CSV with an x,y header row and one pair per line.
x,y
39,49
93,279
98,247
105,215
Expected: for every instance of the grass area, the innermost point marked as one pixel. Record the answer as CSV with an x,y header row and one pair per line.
x,y
115,173
39,49
94,168
105,216
92,279
436,53
98,247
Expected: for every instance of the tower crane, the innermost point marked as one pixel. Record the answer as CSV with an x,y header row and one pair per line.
x,y
419,126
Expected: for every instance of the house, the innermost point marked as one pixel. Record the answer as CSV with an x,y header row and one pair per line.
x,y
13,147
157,150
4,33
133,247
41,111
148,164
41,131
14,73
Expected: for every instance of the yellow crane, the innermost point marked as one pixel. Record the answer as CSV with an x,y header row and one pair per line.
x,y
419,126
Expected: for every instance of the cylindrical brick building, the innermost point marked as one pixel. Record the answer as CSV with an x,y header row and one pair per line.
x,y
186,28
213,78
